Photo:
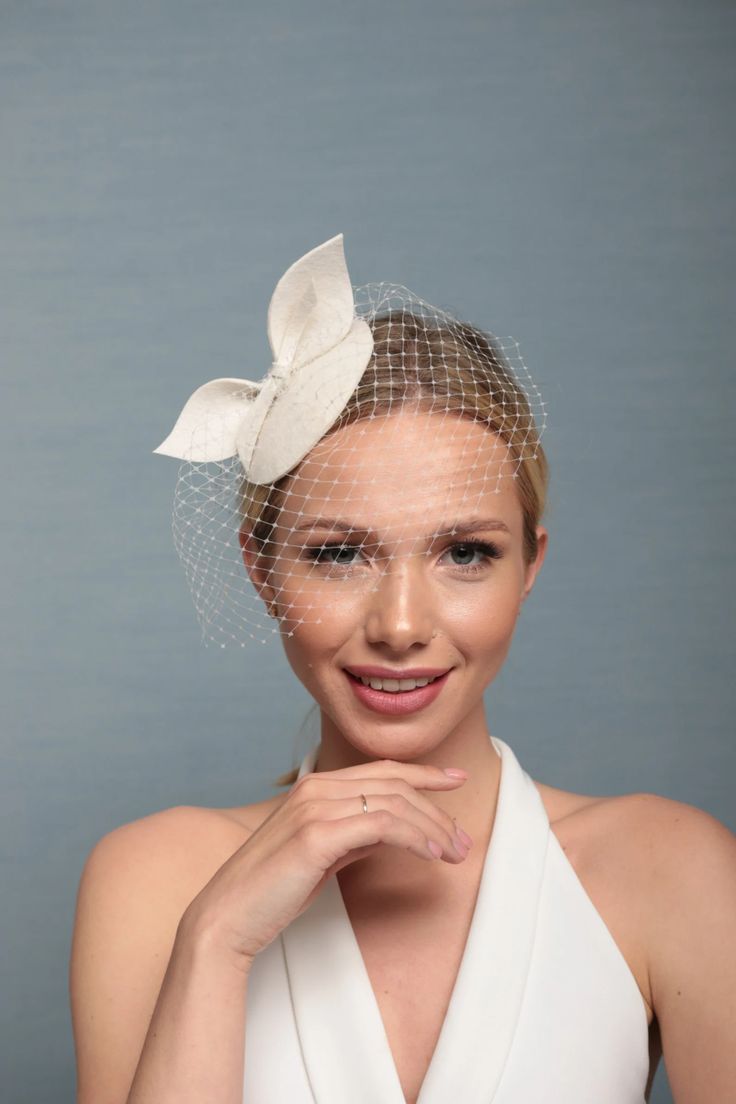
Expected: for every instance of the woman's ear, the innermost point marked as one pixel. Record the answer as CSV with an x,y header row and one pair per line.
x,y
257,571
532,569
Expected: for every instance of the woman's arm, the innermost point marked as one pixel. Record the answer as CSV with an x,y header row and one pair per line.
x,y
692,948
194,1049
158,1011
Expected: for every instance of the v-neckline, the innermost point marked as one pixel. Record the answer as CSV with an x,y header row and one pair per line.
x,y
344,1045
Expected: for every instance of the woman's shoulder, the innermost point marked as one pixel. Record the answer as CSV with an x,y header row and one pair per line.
x,y
657,831
647,835
625,850
163,859
675,850
635,815
188,842
176,850
178,826
681,864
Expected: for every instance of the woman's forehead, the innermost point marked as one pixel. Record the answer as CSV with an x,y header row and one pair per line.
x,y
429,446
417,467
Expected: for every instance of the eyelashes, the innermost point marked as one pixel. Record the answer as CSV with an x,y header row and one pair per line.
x,y
322,554
487,549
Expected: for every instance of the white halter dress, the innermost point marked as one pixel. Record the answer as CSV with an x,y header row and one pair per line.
x,y
545,1009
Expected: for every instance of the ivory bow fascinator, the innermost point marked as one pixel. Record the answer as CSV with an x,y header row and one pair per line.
x,y
320,350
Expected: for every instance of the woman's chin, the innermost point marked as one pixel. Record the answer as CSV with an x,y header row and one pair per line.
x,y
386,738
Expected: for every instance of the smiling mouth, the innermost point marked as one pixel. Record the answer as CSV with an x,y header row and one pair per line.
x,y
394,686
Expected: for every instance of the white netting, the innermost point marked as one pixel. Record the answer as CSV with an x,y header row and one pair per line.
x,y
442,413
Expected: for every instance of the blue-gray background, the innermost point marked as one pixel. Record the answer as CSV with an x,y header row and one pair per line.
x,y
561,172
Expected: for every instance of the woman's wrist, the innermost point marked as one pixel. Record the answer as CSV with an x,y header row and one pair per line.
x,y
201,935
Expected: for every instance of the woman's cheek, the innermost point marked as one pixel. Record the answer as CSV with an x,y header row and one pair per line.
x,y
308,649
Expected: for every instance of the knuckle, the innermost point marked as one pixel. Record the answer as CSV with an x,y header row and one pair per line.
x,y
383,818
310,835
308,811
398,802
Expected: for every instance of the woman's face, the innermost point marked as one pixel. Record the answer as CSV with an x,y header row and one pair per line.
x,y
368,577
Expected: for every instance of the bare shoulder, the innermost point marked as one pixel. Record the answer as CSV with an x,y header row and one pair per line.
x,y
180,847
664,848
136,883
647,821
687,858
609,841
560,804
686,862
669,839
156,864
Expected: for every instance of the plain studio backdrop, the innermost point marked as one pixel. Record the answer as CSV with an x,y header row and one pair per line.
x,y
558,172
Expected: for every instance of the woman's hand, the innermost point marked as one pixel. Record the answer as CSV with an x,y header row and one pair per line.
x,y
314,833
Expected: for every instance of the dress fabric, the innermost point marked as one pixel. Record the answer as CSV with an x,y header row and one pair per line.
x,y
545,1008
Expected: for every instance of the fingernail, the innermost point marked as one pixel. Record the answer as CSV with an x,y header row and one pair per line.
x,y
453,772
464,837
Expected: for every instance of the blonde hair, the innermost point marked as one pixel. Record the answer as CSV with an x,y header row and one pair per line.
x,y
441,367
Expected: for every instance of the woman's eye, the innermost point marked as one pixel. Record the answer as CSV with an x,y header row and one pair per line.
x,y
338,554
474,553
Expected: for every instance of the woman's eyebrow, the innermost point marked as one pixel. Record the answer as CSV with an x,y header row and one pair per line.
x,y
446,529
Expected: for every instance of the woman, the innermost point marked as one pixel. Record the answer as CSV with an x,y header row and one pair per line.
x,y
485,937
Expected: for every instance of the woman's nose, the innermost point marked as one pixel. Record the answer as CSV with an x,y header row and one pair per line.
x,y
399,611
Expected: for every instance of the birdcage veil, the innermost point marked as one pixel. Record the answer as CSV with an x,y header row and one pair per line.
x,y
304,488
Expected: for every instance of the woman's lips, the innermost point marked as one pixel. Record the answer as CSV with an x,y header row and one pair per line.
x,y
399,701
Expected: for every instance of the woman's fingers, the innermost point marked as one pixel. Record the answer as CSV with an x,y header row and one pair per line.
x,y
327,785
423,776
361,830
431,823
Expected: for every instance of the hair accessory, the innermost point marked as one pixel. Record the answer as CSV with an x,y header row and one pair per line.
x,y
378,432
320,350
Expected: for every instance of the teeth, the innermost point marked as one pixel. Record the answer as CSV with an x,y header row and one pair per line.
x,y
394,686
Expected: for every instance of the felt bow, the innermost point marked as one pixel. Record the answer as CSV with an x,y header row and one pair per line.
x,y
320,351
